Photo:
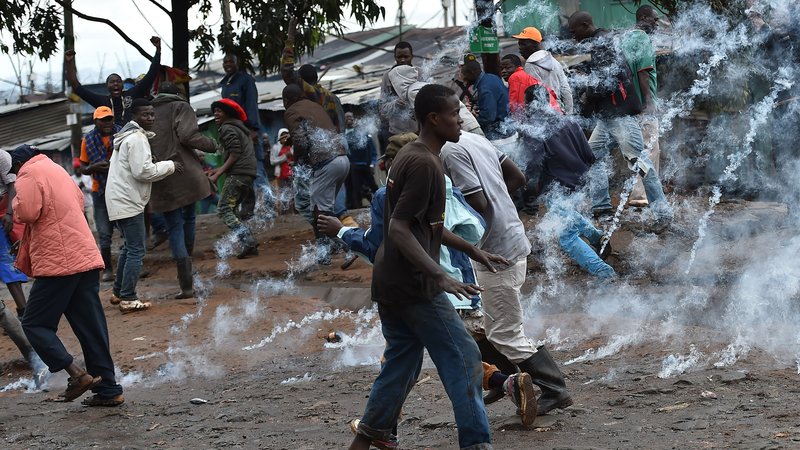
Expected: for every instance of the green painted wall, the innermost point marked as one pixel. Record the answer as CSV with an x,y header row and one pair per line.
x,y
544,14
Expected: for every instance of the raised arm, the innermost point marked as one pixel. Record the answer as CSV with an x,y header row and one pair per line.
x,y
287,57
143,87
72,78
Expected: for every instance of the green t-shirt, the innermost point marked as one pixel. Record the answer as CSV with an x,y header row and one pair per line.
x,y
639,52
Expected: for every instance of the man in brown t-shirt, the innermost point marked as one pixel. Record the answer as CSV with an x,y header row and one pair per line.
x,y
408,284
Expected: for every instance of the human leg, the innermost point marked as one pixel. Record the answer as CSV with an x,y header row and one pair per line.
x,y
649,127
87,320
628,133
189,227
503,311
457,359
133,233
176,224
577,249
104,232
401,359
600,142
301,185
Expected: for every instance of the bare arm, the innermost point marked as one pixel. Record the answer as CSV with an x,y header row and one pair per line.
x,y
455,242
69,69
478,202
643,77
400,234
513,177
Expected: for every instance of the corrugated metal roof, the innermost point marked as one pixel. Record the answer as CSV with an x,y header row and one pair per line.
x,y
33,120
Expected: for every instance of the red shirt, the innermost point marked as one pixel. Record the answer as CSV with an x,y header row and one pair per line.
x,y
517,83
286,168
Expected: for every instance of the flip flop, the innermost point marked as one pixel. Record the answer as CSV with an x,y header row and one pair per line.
x,y
133,305
96,400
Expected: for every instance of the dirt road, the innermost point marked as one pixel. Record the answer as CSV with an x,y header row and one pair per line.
x,y
642,375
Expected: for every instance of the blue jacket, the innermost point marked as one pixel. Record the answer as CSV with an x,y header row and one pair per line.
x,y
459,218
492,102
241,88
361,150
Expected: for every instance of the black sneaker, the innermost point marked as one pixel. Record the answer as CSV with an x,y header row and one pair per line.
x,y
601,213
248,250
606,251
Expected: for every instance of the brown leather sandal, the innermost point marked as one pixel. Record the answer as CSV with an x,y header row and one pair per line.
x,y
96,400
77,386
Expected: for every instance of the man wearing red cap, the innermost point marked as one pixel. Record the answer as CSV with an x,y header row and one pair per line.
x,y
96,150
540,64
239,168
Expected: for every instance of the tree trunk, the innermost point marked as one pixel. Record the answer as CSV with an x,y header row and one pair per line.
x,y
180,37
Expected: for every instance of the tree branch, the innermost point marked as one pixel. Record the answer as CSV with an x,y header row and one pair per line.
x,y
112,25
161,7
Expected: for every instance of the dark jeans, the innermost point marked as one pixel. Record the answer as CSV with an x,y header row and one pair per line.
x,y
180,226
409,329
158,223
129,264
104,229
75,297
359,180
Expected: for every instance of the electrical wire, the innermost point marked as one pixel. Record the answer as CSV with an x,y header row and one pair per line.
x,y
151,25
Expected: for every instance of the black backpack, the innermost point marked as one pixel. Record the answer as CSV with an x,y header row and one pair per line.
x,y
615,94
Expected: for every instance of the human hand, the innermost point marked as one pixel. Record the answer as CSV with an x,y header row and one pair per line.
x,y
102,166
69,56
329,225
8,222
155,40
487,259
457,288
178,167
213,175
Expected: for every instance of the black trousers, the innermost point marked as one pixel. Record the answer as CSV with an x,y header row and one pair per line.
x,y
77,298
359,179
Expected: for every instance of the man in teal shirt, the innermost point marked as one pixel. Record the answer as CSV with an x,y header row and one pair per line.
x,y
641,57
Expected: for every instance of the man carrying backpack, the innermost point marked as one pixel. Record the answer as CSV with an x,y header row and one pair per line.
x,y
610,97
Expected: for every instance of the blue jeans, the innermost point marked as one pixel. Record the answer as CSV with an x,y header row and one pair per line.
x,y
181,227
129,264
101,221
577,249
625,132
158,223
409,329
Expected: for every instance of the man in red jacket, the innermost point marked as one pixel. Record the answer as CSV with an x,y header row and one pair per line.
x,y
59,251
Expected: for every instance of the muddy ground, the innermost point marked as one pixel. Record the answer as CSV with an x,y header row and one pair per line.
x,y
272,382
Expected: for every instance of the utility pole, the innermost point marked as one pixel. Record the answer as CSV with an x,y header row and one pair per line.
x,y
74,116
401,17
445,5
455,20
179,17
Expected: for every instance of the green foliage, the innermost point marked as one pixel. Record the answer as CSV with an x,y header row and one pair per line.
x,y
258,37
35,27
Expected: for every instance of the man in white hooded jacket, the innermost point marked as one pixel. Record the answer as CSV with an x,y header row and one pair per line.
x,y
130,177
540,64
405,82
